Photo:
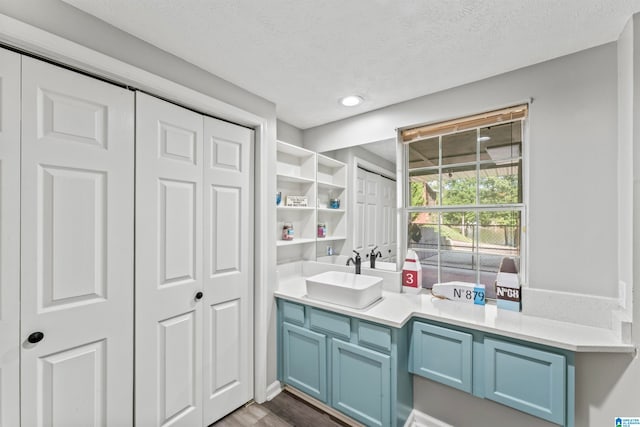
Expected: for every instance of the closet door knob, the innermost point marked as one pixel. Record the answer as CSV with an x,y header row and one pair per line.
x,y
199,296
35,337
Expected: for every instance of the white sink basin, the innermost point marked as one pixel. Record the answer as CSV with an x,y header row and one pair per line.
x,y
351,290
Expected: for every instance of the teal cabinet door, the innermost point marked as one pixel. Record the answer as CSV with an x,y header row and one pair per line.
x,y
443,355
527,379
361,383
304,360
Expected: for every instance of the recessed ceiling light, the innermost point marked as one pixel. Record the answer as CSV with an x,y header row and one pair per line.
x,y
351,100
484,138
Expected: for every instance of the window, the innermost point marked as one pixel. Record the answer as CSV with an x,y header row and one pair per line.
x,y
464,197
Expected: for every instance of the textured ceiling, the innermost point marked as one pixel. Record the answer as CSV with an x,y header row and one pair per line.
x,y
305,54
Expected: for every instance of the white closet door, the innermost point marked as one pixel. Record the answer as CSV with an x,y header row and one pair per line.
x,y
169,170
359,213
77,249
228,268
372,211
9,239
387,228
393,220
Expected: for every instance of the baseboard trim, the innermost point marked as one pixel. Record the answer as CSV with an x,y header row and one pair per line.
x,y
273,390
419,419
323,407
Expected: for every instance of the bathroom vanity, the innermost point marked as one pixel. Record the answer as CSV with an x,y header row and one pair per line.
x,y
361,362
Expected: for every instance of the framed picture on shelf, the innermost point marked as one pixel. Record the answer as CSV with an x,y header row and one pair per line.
x,y
296,201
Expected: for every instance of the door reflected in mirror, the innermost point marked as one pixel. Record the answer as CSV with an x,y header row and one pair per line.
x,y
369,205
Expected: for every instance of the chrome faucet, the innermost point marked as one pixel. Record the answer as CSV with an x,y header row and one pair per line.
x,y
357,262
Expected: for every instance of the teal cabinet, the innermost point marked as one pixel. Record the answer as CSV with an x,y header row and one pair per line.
x,y
357,367
442,354
530,380
361,383
304,360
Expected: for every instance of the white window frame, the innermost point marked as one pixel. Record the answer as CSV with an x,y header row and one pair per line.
x,y
404,196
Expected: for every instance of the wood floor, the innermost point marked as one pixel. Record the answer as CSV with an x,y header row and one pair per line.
x,y
285,410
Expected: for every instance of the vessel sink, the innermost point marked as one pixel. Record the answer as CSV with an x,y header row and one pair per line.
x,y
348,289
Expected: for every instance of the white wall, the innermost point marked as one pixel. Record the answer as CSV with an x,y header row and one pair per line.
x,y
289,133
572,180
72,24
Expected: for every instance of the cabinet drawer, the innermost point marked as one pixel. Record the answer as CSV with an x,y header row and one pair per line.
x,y
443,355
527,379
376,336
292,313
331,323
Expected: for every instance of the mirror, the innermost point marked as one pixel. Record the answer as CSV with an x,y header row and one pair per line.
x,y
368,223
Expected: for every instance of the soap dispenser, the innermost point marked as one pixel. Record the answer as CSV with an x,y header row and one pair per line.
x,y
372,257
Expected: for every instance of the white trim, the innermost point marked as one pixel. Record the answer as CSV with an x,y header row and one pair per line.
x,y
274,389
419,419
372,167
37,41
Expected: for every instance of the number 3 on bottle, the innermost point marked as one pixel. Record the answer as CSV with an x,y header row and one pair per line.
x,y
410,278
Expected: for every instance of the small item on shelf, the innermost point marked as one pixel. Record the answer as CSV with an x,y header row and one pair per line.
x,y
334,203
329,250
278,198
297,201
287,231
322,230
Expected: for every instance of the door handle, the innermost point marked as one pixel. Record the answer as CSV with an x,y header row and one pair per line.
x,y
35,337
199,296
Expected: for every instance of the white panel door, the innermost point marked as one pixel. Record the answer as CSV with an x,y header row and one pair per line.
x,y
9,239
372,211
169,169
359,213
228,268
387,228
77,249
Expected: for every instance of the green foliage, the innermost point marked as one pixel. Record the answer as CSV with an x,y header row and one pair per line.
x,y
492,190
450,233
417,194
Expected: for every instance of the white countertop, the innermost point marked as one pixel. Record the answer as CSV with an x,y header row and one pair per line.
x,y
395,309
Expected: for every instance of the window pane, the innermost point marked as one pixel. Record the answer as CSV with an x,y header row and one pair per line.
x,y
458,261
501,142
500,184
423,237
499,237
424,153
459,186
459,147
424,186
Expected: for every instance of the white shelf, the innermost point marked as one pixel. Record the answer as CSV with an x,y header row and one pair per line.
x,y
295,178
329,162
319,178
295,241
331,238
296,208
330,185
329,210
